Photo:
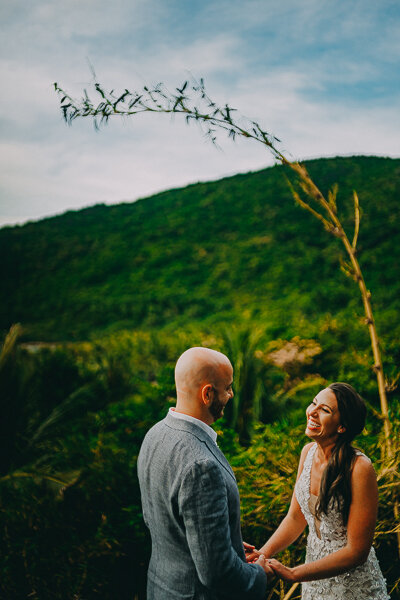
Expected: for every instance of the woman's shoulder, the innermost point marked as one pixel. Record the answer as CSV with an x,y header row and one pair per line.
x,y
363,466
363,478
361,458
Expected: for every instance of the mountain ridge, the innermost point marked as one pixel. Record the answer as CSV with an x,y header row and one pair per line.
x,y
203,253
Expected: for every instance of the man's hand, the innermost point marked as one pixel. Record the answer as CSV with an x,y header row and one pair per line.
x,y
264,563
251,553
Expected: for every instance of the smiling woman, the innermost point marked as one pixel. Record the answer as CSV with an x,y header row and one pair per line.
x,y
342,418
336,496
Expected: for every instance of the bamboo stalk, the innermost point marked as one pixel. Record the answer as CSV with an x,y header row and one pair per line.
x,y
336,228
291,591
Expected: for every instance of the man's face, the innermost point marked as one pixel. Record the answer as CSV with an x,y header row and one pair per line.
x,y
222,391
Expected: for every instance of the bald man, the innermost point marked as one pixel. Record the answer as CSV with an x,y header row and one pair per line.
x,y
189,493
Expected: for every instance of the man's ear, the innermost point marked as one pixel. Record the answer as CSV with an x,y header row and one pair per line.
x,y
207,393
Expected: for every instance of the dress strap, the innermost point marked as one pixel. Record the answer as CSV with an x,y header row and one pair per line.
x,y
359,453
309,461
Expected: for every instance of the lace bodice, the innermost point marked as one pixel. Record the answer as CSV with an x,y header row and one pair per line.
x,y
364,582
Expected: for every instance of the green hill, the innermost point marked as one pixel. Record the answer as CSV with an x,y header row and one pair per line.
x,y
209,253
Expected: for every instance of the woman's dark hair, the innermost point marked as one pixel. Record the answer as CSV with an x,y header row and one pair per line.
x,y
336,478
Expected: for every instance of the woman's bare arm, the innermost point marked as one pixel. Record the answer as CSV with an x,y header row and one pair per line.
x,y
360,531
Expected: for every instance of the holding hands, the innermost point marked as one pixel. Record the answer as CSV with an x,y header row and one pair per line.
x,y
256,557
285,573
270,565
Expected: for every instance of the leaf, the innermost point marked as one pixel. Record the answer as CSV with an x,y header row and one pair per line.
x,y
99,90
183,88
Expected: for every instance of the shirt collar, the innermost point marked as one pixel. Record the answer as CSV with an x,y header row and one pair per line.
x,y
178,415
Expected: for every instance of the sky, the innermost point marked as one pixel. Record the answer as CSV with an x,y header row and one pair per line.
x,y
321,75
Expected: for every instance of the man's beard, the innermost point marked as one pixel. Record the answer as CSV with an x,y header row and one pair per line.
x,y
216,408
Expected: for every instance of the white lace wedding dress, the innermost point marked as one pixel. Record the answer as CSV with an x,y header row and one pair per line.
x,y
328,535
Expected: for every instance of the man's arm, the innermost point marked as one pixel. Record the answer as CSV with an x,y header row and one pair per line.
x,y
203,505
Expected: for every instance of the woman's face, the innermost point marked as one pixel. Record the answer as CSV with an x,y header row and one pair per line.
x,y
323,417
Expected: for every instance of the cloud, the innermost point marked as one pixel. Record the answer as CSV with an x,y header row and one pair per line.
x,y
319,75
286,103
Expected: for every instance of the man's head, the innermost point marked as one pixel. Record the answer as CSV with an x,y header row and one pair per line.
x,y
203,380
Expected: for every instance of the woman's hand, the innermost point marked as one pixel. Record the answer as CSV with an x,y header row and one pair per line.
x,y
285,573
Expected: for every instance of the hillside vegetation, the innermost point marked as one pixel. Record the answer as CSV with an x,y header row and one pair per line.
x,y
206,253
